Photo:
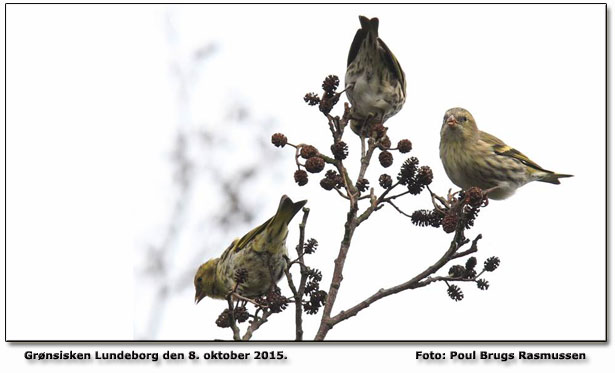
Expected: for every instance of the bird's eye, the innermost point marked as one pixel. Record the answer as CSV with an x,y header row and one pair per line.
x,y
199,279
463,119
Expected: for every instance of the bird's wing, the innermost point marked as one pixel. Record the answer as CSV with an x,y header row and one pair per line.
x,y
229,249
490,139
241,243
502,149
356,45
393,64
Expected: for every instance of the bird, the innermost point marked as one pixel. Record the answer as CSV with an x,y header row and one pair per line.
x,y
260,253
475,158
375,83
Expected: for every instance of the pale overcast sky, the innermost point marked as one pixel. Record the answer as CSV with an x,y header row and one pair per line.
x,y
92,111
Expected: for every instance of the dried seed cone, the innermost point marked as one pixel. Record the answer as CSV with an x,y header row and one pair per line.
x,y
385,158
301,177
339,150
424,176
404,146
279,140
362,185
449,223
315,165
308,151
385,181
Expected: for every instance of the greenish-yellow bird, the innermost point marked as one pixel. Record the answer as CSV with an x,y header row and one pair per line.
x,y
375,82
475,158
260,252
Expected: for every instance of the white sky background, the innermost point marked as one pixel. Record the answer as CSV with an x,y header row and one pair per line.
x,y
92,110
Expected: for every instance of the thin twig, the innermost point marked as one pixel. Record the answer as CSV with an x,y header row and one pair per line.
x,y
435,197
303,280
383,195
349,227
371,146
430,280
234,326
471,250
289,278
254,325
395,196
342,194
239,296
398,209
414,283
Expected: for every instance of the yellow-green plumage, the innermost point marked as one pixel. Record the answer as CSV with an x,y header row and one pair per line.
x,y
261,252
375,83
475,158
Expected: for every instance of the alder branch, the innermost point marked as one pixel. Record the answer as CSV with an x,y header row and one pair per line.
x,y
231,309
255,324
397,208
298,293
349,227
371,146
414,283
471,250
455,215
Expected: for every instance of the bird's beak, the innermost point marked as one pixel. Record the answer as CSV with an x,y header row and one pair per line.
x,y
451,121
198,296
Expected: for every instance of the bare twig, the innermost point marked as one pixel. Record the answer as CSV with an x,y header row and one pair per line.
x,y
239,296
471,250
371,146
395,196
349,227
384,194
352,221
231,309
302,282
342,194
300,291
289,278
430,280
255,324
397,208
435,197
418,281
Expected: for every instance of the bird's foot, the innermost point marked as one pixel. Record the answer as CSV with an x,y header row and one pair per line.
x,y
240,297
444,203
487,191
451,196
486,194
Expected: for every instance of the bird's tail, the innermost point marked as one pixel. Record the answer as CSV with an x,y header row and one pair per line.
x,y
553,178
369,25
277,229
287,209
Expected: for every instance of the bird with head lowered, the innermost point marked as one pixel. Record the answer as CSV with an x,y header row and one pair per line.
x,y
260,253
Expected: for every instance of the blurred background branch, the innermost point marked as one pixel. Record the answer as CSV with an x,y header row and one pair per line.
x,y
195,169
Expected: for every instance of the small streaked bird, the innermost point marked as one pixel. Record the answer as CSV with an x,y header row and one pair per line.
x,y
475,158
260,252
375,82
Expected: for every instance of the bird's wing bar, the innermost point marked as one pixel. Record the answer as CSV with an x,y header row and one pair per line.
x,y
393,64
249,236
505,150
229,249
